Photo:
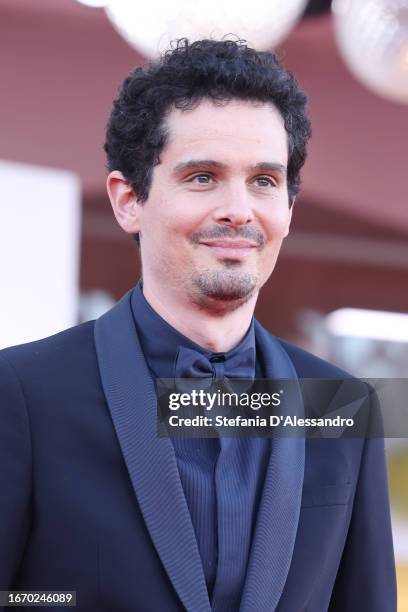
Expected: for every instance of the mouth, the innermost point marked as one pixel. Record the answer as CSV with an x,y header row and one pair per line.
x,y
230,248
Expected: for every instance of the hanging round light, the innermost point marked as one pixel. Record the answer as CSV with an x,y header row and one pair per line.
x,y
373,39
150,26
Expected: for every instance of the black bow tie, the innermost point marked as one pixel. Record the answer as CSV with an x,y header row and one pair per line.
x,y
193,364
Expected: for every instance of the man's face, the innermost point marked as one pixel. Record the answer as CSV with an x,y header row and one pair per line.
x,y
217,212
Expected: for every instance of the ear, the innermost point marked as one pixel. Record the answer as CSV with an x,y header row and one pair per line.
x,y
290,216
124,202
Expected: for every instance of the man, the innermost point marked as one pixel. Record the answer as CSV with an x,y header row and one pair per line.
x,y
204,152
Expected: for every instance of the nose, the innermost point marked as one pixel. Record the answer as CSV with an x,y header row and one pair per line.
x,y
235,207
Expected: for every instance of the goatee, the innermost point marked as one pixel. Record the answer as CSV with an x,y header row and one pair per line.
x,y
224,285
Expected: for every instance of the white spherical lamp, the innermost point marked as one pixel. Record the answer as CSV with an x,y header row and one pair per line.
x,y
373,39
151,26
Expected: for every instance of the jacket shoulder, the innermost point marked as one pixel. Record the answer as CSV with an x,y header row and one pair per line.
x,y
308,365
46,353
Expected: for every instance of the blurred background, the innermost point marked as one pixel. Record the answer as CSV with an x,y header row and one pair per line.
x,y
340,287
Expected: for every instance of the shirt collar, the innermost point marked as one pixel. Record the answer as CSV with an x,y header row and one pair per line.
x,y
160,340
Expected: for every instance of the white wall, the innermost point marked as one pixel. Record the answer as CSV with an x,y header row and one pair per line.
x,y
40,214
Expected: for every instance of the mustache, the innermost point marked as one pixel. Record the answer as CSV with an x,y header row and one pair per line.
x,y
247,233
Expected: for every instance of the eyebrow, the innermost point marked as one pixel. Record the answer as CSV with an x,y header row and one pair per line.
x,y
193,164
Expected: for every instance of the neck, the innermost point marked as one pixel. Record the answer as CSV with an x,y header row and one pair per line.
x,y
216,329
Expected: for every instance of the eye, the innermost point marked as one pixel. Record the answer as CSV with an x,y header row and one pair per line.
x,y
202,179
265,181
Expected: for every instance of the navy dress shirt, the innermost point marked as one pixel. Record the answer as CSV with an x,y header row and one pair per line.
x,y
222,478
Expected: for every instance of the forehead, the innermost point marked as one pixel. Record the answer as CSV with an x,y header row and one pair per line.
x,y
238,130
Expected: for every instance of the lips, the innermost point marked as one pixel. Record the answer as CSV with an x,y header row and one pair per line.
x,y
231,244
230,249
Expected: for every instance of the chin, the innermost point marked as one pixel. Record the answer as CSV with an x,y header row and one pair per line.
x,y
224,285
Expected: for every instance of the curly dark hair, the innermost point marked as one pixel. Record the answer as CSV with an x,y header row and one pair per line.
x,y
219,70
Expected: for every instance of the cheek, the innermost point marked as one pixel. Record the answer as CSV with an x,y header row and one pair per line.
x,y
167,236
172,218
276,228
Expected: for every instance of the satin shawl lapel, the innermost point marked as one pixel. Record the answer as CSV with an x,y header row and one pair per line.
x,y
151,462
278,514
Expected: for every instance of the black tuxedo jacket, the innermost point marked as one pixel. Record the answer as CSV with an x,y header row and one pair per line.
x,y
91,499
